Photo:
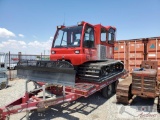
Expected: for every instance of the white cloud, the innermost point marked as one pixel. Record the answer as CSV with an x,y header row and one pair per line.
x,y
4,33
35,44
22,42
35,47
41,45
21,35
12,44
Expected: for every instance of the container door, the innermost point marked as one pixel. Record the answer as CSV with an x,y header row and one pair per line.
x,y
153,52
136,54
121,52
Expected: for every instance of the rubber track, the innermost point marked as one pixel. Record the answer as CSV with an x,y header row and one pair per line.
x,y
92,71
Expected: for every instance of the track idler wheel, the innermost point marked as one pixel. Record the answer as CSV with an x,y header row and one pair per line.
x,y
105,70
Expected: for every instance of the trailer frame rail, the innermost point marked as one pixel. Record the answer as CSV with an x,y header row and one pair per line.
x,y
30,101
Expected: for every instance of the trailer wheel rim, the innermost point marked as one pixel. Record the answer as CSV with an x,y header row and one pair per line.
x,y
109,90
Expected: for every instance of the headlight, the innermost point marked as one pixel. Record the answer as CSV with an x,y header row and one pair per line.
x,y
77,51
53,52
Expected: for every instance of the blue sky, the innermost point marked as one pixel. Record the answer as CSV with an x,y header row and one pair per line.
x,y
33,22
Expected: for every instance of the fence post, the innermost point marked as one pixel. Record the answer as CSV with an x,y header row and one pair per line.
x,y
9,57
41,56
19,56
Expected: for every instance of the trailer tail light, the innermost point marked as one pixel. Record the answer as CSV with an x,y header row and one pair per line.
x,y
77,51
53,52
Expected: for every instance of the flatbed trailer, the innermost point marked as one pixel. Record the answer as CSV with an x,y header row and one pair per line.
x,y
30,101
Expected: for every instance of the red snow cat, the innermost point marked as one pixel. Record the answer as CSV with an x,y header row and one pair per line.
x,y
81,63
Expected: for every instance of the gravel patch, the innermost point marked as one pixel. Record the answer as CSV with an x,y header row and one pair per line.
x,y
95,107
15,90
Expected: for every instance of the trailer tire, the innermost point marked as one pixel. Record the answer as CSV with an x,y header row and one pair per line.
x,y
158,104
107,91
3,85
115,86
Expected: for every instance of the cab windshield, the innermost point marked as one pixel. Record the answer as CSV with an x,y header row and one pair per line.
x,y
68,37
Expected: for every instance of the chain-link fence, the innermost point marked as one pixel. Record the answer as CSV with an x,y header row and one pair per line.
x,y
12,60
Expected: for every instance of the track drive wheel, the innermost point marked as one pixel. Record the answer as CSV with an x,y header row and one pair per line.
x,y
107,91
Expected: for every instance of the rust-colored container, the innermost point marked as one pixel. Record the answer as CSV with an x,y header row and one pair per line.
x,y
153,50
133,52
120,52
120,46
136,46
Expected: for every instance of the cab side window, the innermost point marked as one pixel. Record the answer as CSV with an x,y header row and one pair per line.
x,y
103,35
89,37
111,36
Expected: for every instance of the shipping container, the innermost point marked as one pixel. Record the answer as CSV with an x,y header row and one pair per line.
x,y
119,52
133,52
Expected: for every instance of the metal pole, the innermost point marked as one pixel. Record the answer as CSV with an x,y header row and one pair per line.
x,y
26,92
9,66
19,56
41,56
27,115
43,88
63,90
26,86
